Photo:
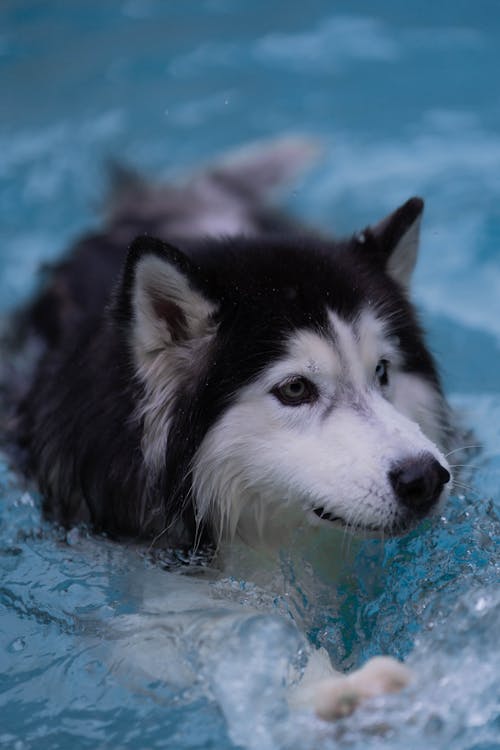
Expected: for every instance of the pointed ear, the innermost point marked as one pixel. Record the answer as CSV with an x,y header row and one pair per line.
x,y
161,298
396,239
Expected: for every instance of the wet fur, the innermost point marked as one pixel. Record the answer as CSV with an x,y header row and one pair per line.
x,y
147,348
150,413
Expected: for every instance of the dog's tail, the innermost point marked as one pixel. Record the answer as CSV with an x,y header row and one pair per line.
x,y
229,197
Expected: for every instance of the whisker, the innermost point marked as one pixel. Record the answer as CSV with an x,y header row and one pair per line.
x,y
476,467
462,448
466,488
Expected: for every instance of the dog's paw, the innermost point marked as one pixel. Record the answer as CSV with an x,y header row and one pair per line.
x,y
337,697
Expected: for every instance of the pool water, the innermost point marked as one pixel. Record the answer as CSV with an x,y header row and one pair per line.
x,y
404,98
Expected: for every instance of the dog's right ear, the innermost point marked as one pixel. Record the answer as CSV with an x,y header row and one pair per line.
x,y
160,297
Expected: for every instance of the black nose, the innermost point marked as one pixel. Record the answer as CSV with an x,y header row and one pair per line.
x,y
418,482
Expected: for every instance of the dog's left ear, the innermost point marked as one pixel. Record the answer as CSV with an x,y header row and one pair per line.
x,y
396,239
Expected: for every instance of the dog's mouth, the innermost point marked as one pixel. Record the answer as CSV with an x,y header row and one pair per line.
x,y
394,529
326,516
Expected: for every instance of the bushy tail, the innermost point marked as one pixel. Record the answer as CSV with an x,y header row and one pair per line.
x,y
230,196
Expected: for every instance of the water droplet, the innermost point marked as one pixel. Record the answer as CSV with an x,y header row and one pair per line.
x,y
18,645
26,500
481,604
73,536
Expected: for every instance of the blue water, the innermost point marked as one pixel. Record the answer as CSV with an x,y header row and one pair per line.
x,y
405,98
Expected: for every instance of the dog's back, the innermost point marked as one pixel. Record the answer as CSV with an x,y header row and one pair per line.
x,y
66,317
228,199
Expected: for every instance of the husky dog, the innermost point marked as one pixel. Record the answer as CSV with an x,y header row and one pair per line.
x,y
213,371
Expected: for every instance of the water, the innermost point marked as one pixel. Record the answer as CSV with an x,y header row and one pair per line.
x,y
404,98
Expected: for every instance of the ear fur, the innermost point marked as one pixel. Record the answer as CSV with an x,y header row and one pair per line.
x,y
397,239
169,324
165,306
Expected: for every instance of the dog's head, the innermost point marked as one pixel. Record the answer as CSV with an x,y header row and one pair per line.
x,y
288,380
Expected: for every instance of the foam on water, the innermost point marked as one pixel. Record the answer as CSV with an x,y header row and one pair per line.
x,y
99,645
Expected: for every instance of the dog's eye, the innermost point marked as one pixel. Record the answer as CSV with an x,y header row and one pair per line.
x,y
382,372
295,392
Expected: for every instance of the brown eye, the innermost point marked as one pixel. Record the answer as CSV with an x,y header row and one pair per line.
x,y
295,392
382,372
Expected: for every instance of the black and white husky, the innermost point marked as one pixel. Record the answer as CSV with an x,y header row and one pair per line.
x,y
230,375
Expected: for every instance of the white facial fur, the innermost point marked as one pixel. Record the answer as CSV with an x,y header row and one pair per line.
x,y
264,461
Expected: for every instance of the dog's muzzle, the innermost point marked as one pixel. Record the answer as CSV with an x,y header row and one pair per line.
x,y
418,484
